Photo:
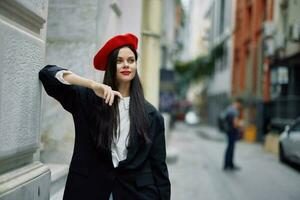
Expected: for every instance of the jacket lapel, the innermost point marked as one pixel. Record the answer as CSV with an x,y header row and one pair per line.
x,y
132,150
136,142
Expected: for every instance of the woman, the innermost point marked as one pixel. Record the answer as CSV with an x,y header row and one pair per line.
x,y
119,150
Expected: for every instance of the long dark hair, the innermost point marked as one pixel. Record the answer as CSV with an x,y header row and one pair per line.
x,y
106,118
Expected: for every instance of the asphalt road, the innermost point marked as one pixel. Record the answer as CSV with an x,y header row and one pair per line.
x,y
197,174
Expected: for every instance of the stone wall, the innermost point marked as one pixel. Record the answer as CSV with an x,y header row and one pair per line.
x,y
22,39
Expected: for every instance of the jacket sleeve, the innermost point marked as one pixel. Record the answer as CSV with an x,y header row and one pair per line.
x,y
158,161
65,94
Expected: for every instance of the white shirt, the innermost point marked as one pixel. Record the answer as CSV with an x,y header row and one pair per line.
x,y
118,146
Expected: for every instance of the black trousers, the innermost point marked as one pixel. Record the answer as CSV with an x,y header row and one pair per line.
x,y
229,153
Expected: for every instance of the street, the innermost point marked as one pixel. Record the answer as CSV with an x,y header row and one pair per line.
x,y
197,174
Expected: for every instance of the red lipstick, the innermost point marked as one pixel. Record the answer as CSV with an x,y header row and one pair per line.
x,y
125,73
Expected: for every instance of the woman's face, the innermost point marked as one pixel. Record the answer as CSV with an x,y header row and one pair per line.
x,y
126,65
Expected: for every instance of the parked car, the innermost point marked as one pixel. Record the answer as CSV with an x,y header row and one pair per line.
x,y
289,143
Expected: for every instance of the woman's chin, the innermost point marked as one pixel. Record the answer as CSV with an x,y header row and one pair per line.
x,y
125,80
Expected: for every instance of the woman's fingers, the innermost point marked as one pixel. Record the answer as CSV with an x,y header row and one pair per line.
x,y
107,93
118,94
108,96
111,100
112,96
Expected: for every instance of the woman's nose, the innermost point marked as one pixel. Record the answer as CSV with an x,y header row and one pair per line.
x,y
126,64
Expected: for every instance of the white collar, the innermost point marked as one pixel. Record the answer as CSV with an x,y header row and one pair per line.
x,y
124,103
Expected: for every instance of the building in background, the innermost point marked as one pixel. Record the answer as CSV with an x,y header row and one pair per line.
x,y
282,50
171,26
248,65
281,72
192,36
192,44
266,60
151,43
220,15
184,34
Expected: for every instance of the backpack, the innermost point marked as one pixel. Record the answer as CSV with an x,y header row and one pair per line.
x,y
223,123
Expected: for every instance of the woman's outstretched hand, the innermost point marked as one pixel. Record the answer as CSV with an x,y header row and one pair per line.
x,y
105,92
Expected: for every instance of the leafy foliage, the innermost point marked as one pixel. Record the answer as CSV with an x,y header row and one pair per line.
x,y
201,67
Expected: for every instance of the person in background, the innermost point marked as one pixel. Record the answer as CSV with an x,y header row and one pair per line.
x,y
119,151
233,131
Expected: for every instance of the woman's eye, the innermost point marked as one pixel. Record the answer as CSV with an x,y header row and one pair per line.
x,y
119,61
131,60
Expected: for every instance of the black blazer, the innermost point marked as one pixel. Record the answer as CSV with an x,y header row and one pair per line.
x,y
142,176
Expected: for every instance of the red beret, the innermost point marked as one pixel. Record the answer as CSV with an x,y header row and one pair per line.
x,y
101,58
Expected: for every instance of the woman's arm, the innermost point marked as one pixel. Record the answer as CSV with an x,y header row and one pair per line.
x,y
73,79
101,90
66,94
